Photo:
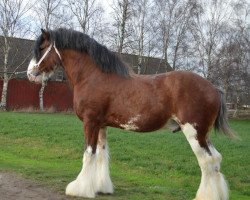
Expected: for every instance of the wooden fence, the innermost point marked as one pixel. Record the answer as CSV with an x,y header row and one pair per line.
x,y
23,94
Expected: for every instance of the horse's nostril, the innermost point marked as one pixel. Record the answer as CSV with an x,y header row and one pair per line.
x,y
37,73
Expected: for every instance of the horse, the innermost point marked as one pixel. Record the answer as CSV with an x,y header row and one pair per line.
x,y
106,93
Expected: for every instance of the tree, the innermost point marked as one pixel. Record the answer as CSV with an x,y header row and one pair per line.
x,y
206,31
12,24
173,21
122,15
229,67
140,9
241,32
49,16
86,13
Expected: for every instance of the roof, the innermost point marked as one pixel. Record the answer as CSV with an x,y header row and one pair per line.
x,y
21,52
149,65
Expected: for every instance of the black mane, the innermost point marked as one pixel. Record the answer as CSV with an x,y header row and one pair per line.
x,y
106,60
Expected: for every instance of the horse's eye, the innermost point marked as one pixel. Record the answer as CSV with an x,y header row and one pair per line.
x,y
42,47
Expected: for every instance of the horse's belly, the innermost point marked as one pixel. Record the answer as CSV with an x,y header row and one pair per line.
x,y
141,123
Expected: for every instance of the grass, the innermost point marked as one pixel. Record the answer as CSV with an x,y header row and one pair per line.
x,y
160,165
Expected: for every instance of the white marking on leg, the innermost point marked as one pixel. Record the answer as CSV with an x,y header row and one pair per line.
x,y
212,178
89,150
213,185
84,185
104,184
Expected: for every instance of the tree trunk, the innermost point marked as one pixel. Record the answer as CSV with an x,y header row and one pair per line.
x,y
141,35
123,25
139,65
4,94
41,103
6,78
86,14
236,112
176,54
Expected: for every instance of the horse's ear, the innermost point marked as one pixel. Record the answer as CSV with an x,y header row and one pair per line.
x,y
43,31
45,34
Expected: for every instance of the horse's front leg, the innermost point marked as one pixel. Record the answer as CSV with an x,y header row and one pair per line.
x,y
104,184
85,184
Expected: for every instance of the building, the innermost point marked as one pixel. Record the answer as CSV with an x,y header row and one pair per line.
x,y
57,93
21,52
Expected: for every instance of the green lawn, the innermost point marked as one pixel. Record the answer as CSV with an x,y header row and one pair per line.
x,y
160,165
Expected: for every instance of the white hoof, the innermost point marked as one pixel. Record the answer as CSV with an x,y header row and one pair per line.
x,y
80,189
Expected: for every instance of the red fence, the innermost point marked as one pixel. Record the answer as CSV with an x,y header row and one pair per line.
x,y
24,94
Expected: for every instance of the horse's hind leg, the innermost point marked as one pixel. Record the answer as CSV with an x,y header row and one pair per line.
x,y
104,184
213,185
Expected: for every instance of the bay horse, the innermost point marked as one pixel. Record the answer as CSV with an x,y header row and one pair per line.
x,y
108,93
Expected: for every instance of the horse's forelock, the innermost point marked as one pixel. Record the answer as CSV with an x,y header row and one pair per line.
x,y
39,41
37,51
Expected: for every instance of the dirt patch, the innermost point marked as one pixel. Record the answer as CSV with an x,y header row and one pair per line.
x,y
14,187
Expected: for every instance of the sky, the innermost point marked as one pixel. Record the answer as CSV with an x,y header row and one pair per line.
x,y
106,5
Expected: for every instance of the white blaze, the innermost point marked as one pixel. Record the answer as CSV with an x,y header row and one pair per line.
x,y
34,75
33,71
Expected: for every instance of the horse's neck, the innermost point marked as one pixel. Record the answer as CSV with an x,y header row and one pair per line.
x,y
78,66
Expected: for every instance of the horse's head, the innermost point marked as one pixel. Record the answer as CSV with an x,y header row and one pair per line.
x,y
46,59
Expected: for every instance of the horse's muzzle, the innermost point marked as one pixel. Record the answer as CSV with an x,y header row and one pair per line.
x,y
36,77
33,73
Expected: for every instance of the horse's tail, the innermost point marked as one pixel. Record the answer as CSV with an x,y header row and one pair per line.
x,y
221,122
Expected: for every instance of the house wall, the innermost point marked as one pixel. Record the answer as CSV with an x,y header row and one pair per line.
x,y
24,94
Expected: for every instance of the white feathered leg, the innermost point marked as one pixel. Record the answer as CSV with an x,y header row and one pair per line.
x,y
213,185
85,183
104,184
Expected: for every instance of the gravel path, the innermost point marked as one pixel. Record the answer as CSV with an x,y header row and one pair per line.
x,y
14,187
